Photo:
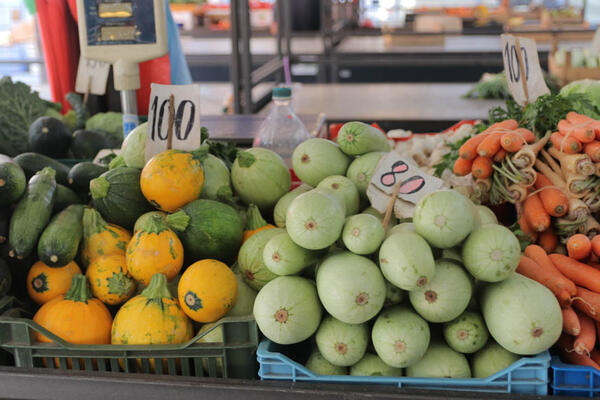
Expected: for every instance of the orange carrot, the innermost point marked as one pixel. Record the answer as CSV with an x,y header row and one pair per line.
x,y
482,168
537,217
507,124
511,142
468,150
592,149
462,167
568,145
490,145
532,235
554,282
587,302
576,118
500,155
555,202
579,246
565,348
548,240
526,134
585,341
596,245
582,132
581,274
571,325
537,254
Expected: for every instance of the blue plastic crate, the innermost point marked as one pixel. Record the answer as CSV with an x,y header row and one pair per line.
x,y
574,380
529,375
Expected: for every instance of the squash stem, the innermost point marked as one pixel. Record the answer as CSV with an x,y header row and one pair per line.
x,y
79,290
93,222
154,224
99,187
178,221
157,289
255,219
245,159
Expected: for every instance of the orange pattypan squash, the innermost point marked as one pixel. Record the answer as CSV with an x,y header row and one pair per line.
x,y
172,179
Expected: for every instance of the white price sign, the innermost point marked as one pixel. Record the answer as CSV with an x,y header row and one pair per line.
x,y
92,76
522,69
185,133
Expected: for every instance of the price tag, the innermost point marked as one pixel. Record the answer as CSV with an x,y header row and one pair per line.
x,y
92,76
522,68
186,118
595,48
397,173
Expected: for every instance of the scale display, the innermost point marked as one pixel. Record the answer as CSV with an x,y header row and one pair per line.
x,y
114,22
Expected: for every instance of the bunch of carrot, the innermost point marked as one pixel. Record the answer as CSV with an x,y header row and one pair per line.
x,y
576,134
478,154
575,281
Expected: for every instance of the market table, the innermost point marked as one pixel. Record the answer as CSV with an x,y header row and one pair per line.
x,y
20,383
422,107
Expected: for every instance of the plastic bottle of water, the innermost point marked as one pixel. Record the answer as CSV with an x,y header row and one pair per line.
x,y
282,130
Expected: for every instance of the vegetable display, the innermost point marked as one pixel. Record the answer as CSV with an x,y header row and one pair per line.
x,y
446,292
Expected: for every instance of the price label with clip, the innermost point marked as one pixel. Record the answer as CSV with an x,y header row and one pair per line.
x,y
522,69
173,118
92,76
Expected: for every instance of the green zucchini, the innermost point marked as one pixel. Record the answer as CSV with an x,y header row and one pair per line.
x,y
117,196
32,213
356,138
81,174
86,144
49,136
64,197
60,240
34,162
12,181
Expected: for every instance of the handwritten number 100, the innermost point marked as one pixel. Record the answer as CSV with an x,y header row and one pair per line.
x,y
178,119
512,59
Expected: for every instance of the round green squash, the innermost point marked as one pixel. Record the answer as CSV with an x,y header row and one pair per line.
x,y
208,229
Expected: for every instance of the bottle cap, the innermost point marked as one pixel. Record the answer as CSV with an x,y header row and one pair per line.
x,y
282,92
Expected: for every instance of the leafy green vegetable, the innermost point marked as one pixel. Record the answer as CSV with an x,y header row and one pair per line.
x,y
19,107
589,87
449,158
495,86
544,114
111,123
226,151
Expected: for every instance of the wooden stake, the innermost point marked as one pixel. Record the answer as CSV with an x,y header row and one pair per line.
x,y
171,121
390,207
522,69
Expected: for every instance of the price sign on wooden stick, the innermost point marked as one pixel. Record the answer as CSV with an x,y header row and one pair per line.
x,y
522,69
173,118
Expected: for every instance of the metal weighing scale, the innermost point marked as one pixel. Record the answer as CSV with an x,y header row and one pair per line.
x,y
123,33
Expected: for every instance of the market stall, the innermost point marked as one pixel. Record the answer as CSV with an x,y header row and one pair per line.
x,y
310,250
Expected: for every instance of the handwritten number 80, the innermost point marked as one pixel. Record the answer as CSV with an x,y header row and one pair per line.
x,y
157,122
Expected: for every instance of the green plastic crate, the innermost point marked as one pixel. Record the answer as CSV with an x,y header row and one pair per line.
x,y
235,358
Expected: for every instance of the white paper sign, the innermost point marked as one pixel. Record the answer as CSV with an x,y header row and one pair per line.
x,y
595,48
414,183
522,68
92,76
186,125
